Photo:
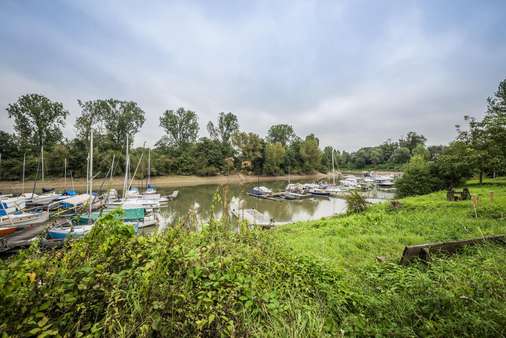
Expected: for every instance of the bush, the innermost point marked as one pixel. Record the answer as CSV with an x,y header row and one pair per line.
x,y
417,179
355,202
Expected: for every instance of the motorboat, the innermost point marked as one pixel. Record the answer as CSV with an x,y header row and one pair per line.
x,y
350,182
384,181
319,192
260,191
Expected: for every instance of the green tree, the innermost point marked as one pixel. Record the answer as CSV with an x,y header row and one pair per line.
x,y
274,156
401,155
417,178
181,127
210,157
250,149
38,121
282,133
92,116
478,138
454,165
227,125
326,161
122,118
434,151
9,147
310,153
411,140
387,149
420,150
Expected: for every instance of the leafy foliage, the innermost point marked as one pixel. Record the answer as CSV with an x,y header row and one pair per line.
x,y
355,202
181,283
181,127
281,133
38,121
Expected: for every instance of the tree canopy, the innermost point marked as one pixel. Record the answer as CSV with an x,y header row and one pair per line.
x,y
227,125
282,133
38,121
181,127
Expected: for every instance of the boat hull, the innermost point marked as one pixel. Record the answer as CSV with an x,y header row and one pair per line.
x,y
4,231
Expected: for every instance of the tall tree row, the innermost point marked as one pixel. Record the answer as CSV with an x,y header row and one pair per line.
x,y
480,145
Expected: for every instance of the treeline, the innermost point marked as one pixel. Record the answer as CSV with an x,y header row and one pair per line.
x,y
39,121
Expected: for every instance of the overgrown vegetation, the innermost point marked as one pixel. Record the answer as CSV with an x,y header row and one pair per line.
x,y
355,202
307,279
112,283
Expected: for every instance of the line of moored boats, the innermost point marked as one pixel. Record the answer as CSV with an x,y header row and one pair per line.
x,y
73,215
297,191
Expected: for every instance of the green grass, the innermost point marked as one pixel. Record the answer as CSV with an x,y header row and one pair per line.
x,y
307,279
459,295
350,241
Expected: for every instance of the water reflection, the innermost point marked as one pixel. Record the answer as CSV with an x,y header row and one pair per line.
x,y
200,200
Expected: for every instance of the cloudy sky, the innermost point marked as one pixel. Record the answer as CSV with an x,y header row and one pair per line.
x,y
353,72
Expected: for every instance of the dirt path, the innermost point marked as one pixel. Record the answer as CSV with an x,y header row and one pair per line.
x,y
172,181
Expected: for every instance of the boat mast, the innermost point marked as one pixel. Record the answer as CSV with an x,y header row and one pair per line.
x,y
87,172
112,167
127,166
91,172
65,174
42,163
333,171
24,167
149,168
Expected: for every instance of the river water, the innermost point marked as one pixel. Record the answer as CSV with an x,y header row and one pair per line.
x,y
200,200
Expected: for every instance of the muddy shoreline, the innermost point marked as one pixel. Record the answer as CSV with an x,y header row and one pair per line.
x,y
172,181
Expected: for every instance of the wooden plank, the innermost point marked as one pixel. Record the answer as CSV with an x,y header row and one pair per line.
x,y
423,251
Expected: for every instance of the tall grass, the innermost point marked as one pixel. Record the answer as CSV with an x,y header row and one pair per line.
x,y
317,278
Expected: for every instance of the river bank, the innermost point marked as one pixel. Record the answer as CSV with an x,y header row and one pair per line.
x,y
172,181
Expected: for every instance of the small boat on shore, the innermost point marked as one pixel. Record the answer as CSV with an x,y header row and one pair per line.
x,y
24,219
68,230
41,200
14,202
138,216
7,230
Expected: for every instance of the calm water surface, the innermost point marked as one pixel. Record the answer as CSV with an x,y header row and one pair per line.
x,y
200,198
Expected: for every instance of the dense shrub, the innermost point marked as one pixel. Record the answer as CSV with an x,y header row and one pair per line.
x,y
417,179
355,203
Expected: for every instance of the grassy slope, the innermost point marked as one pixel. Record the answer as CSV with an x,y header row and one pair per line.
x,y
308,279
464,294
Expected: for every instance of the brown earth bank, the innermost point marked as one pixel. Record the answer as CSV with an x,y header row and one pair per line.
x,y
171,181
